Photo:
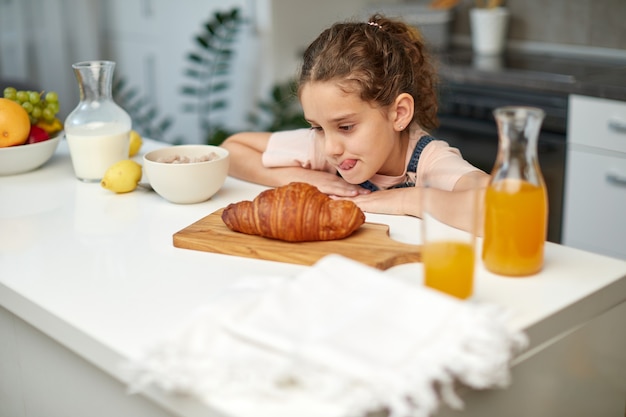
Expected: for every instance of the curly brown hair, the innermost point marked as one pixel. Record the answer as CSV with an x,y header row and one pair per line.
x,y
378,60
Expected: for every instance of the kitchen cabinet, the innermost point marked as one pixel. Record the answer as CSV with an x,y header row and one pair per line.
x,y
595,189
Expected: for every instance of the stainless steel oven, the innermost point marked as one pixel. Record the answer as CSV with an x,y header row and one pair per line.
x,y
467,122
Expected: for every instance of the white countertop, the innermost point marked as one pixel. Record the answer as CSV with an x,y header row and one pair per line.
x,y
98,272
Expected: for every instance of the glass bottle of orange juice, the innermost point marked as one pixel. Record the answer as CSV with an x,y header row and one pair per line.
x,y
516,202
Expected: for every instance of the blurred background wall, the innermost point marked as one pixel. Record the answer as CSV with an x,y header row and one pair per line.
x,y
150,39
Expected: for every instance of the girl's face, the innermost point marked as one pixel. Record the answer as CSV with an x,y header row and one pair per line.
x,y
359,138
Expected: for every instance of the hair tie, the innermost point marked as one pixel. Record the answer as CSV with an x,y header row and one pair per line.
x,y
375,24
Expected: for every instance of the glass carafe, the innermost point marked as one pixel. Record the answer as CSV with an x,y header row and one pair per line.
x,y
97,130
516,201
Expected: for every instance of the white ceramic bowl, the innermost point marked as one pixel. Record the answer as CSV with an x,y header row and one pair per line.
x,y
23,158
188,182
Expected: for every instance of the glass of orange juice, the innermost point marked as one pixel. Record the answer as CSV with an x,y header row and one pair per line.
x,y
449,242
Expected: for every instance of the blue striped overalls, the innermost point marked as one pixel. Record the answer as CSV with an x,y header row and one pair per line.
x,y
411,167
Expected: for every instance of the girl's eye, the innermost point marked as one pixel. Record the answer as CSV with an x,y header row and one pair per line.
x,y
346,128
316,128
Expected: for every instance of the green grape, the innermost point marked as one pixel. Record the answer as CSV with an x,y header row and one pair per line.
x,y
28,106
52,97
36,113
21,96
34,97
37,105
10,93
53,106
48,115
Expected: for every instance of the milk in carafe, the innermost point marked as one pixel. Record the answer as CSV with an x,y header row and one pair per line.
x,y
95,147
97,130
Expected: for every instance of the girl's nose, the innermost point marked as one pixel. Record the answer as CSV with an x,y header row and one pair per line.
x,y
332,146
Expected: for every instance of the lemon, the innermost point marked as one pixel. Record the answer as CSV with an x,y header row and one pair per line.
x,y
122,176
135,143
51,127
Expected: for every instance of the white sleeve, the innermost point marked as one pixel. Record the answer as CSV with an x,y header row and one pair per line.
x,y
294,148
443,165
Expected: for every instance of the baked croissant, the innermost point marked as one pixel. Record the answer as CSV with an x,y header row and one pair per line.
x,y
297,212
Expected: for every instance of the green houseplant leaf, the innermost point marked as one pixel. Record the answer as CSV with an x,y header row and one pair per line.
x,y
209,67
145,116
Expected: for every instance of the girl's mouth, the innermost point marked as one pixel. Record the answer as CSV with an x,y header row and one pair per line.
x,y
347,164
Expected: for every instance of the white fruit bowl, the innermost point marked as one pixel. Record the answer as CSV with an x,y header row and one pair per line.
x,y
186,182
23,158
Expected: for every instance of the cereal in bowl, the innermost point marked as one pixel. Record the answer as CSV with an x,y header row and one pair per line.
x,y
181,159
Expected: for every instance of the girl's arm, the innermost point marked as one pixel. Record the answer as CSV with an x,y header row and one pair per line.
x,y
245,151
408,201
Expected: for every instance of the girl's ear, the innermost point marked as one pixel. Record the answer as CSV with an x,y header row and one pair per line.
x,y
402,111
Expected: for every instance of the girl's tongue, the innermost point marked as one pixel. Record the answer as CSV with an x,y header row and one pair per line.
x,y
347,164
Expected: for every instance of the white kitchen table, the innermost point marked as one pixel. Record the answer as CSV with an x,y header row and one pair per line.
x,y
88,279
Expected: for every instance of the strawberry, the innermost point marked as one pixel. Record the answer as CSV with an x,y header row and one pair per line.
x,y
36,135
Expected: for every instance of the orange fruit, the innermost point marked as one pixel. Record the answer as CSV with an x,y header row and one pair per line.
x,y
14,123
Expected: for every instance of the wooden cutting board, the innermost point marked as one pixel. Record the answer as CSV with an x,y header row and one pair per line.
x,y
370,244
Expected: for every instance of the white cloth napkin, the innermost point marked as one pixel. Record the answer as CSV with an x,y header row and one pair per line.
x,y
341,332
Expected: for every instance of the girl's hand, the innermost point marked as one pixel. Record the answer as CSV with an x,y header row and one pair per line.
x,y
333,185
395,201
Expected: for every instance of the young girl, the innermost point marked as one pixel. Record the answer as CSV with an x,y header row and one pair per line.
x,y
368,91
